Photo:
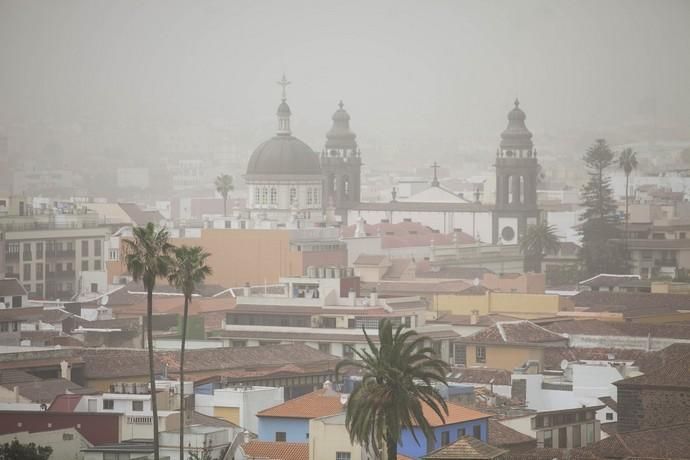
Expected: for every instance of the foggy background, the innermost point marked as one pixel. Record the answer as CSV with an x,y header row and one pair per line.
x,y
431,78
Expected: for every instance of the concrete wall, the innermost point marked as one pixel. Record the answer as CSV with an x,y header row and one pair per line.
x,y
66,443
295,429
326,438
624,342
248,403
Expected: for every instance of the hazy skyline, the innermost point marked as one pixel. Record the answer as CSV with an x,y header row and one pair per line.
x,y
438,72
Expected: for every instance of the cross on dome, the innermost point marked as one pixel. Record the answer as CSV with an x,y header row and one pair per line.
x,y
284,83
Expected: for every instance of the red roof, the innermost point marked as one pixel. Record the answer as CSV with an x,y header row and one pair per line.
x,y
456,414
318,403
277,450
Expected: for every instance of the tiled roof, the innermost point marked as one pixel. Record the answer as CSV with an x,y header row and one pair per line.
x,y
398,268
501,435
663,442
481,375
276,450
515,332
43,391
554,355
465,273
140,216
11,287
408,234
370,259
466,320
620,328
21,314
466,447
622,301
653,361
456,414
318,403
14,376
206,420
417,287
670,373
610,402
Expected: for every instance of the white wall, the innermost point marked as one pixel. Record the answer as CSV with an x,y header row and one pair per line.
x,y
249,401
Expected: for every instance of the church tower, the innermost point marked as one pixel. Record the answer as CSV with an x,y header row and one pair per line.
x,y
517,170
341,165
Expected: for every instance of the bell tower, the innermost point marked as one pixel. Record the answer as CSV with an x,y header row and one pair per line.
x,y
341,165
517,170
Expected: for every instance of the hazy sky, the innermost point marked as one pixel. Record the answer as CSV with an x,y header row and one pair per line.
x,y
444,71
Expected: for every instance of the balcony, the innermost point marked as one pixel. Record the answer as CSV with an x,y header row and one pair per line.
x,y
12,256
60,275
60,253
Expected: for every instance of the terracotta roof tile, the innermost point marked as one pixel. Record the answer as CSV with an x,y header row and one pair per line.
x,y
515,332
467,447
318,403
277,450
43,391
456,414
623,301
501,435
481,375
663,442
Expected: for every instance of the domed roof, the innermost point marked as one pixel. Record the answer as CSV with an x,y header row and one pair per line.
x,y
283,109
284,155
516,134
340,136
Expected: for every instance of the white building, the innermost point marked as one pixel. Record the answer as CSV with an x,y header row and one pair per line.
x,y
239,404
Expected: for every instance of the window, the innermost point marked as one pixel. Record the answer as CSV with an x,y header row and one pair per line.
x,y
84,265
108,404
70,267
548,438
309,196
67,436
274,195
4,327
280,436
27,251
239,343
562,438
97,265
325,347
461,432
39,250
94,287
342,456
445,438
609,416
257,195
39,271
316,196
97,248
85,248
264,195
58,267
16,301
137,406
681,236
293,196
477,431
39,289
27,272
480,354
589,434
460,354
577,434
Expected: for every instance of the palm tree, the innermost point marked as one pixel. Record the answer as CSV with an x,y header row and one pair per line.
x,y
147,257
188,270
627,161
398,378
538,241
224,186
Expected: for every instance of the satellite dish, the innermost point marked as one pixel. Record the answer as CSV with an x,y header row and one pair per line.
x,y
104,300
476,282
564,364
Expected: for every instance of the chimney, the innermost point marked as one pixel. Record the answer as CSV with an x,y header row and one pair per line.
x,y
373,297
65,370
352,297
246,437
474,317
247,290
16,393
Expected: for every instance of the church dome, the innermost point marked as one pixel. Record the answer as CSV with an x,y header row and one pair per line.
x,y
340,136
284,155
283,109
516,135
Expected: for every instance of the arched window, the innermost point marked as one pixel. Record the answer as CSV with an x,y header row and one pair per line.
x,y
293,196
257,195
316,196
309,196
274,195
264,195
346,187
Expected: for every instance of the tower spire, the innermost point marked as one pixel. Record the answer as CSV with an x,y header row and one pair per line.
x,y
435,182
284,111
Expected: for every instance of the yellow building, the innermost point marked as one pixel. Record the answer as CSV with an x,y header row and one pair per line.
x,y
527,306
328,434
508,345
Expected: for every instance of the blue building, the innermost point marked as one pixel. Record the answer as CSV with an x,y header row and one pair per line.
x,y
460,421
289,422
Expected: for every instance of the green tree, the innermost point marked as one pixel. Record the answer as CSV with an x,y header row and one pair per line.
x,y
18,451
147,257
627,161
398,378
187,271
601,252
224,185
538,241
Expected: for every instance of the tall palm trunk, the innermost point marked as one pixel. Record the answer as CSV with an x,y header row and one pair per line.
x,y
184,340
152,374
225,206
627,179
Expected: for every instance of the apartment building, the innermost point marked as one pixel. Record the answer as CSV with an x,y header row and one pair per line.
x,y
56,253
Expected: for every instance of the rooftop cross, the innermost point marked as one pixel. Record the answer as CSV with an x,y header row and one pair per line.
x,y
340,105
435,182
284,82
